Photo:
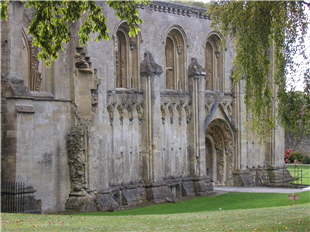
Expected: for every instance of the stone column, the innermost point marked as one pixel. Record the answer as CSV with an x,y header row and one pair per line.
x,y
150,72
197,73
201,181
156,189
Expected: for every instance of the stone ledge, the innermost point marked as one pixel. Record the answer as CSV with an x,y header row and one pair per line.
x,y
172,92
189,178
124,91
42,95
243,178
25,109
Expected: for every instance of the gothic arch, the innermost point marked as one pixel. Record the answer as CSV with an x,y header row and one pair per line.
x,y
175,56
220,152
26,64
214,57
33,68
126,58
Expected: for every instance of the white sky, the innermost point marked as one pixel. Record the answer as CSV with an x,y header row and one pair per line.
x,y
299,85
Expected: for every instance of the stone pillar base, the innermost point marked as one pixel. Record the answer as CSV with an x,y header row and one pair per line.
x,y
243,178
109,200
106,202
271,176
159,193
133,194
202,186
188,187
168,190
82,201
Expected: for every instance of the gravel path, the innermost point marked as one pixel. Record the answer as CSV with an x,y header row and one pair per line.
x,y
260,189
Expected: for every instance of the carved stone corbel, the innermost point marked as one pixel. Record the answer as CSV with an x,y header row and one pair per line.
x,y
121,107
180,109
139,108
129,108
163,109
171,108
111,108
187,109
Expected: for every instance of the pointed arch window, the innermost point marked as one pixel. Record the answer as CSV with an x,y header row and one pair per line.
x,y
32,67
175,60
214,64
126,59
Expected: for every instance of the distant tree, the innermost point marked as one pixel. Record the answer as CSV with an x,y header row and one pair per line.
x,y
294,115
267,35
50,29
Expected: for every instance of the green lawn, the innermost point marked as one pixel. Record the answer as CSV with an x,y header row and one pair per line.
x,y
228,212
230,201
303,170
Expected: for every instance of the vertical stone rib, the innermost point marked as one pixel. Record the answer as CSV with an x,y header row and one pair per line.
x,y
196,72
149,70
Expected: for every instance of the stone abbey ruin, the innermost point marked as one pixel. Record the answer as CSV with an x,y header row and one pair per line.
x,y
153,118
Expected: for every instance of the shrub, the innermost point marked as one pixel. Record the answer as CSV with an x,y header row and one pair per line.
x,y
306,159
296,156
287,156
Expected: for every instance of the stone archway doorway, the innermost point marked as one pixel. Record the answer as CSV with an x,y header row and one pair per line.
x,y
219,152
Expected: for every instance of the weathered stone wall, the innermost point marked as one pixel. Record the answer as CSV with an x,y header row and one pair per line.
x,y
52,121
35,124
36,149
300,145
125,139
80,138
254,151
124,136
174,132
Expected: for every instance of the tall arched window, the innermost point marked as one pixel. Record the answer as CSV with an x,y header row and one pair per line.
x,y
214,64
209,66
169,52
175,60
126,59
26,59
121,80
33,68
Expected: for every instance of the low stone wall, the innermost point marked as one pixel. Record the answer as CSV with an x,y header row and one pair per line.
x,y
169,190
271,176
